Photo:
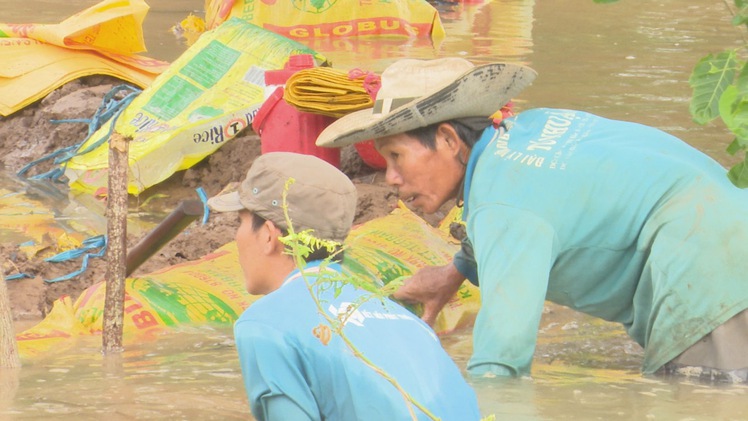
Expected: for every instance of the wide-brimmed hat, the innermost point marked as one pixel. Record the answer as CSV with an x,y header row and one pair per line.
x,y
321,198
417,93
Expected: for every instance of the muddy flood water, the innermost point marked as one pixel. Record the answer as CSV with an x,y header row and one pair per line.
x,y
629,60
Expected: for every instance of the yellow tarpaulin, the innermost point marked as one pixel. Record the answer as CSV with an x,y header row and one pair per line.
x,y
328,91
211,290
30,70
35,59
112,25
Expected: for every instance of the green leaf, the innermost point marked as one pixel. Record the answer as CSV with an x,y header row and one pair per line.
x,y
739,174
741,18
733,109
741,15
742,81
605,1
711,76
734,147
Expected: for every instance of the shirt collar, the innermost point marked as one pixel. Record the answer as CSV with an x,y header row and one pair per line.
x,y
312,267
477,150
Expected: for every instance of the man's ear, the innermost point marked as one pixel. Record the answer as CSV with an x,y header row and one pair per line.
x,y
269,238
451,139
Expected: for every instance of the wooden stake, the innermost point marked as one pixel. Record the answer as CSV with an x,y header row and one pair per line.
x,y
8,347
116,244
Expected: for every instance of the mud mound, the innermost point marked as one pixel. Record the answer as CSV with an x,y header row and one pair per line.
x,y
54,123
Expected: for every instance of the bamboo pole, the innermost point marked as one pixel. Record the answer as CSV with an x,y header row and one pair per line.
x,y
165,231
8,347
116,244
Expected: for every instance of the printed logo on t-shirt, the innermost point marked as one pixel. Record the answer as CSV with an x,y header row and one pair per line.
x,y
551,148
357,317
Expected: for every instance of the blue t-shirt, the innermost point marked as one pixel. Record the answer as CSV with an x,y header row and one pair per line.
x,y
614,219
292,373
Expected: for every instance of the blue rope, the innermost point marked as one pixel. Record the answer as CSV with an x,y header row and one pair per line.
x,y
17,276
110,109
21,275
203,198
96,242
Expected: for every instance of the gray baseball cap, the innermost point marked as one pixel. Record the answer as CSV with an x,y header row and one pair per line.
x,y
321,198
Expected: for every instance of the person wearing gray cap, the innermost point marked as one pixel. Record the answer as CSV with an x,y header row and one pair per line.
x,y
294,367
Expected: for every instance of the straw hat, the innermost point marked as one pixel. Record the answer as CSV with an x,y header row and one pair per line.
x,y
417,93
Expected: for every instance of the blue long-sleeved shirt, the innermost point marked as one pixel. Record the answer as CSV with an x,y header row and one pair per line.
x,y
614,219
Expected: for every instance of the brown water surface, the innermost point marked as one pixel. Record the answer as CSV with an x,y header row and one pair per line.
x,y
629,60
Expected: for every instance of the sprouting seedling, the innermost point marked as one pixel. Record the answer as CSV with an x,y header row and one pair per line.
x,y
299,246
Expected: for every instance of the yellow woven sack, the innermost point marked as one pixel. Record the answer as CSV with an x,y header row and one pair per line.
x,y
306,20
210,290
204,99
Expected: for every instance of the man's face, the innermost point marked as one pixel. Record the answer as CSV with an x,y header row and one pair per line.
x,y
249,243
425,178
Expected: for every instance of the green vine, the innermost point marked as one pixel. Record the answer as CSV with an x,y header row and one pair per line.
x,y
720,89
299,246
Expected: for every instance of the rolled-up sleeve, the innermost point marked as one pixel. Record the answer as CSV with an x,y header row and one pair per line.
x,y
464,261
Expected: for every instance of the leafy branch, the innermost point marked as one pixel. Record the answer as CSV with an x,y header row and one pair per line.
x,y
300,245
720,89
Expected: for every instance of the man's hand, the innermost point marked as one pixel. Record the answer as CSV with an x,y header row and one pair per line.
x,y
433,286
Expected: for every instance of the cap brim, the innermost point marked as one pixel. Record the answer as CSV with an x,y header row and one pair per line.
x,y
228,202
480,92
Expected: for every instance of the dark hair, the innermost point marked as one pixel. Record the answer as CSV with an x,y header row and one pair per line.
x,y
317,254
467,129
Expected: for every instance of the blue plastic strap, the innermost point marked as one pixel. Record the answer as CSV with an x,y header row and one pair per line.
x,y
21,275
99,241
109,110
17,276
47,157
203,198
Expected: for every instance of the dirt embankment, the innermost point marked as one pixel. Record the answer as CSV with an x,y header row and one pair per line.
x,y
32,133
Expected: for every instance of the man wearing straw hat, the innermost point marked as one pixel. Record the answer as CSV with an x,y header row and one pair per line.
x,y
386,365
614,219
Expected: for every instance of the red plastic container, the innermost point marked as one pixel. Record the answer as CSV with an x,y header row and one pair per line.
x,y
294,64
282,127
370,155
